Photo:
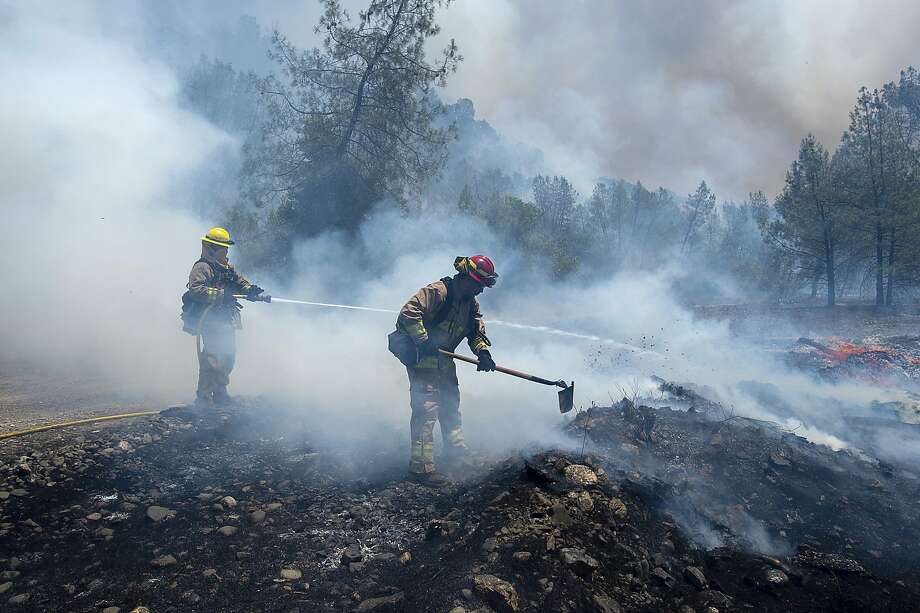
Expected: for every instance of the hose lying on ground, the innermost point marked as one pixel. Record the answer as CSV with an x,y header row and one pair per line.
x,y
89,420
75,422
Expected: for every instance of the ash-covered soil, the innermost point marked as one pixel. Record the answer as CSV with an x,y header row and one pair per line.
x,y
242,510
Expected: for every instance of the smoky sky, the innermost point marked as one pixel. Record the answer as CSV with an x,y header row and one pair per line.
x,y
673,92
669,92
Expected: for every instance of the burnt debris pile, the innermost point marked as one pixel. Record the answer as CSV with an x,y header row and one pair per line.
x,y
663,510
872,360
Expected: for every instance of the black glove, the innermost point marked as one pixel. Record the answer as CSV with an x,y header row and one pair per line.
x,y
486,363
254,290
427,348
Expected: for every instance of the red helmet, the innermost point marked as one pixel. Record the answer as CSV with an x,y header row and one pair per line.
x,y
479,268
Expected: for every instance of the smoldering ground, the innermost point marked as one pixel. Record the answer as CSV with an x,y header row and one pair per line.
x,y
101,167
98,239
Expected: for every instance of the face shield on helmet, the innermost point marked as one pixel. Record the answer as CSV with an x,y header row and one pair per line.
x,y
479,268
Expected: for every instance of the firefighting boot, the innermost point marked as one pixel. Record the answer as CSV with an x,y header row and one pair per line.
x,y
203,400
432,479
221,397
456,462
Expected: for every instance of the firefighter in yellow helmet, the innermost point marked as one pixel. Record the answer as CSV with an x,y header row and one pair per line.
x,y
440,316
210,311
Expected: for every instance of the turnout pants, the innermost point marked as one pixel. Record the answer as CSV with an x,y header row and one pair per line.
x,y
215,362
434,396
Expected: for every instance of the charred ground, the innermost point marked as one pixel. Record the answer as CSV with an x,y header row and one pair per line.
x,y
664,509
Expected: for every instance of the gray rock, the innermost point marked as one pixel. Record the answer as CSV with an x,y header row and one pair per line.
x,y
257,516
19,493
111,610
695,577
715,598
778,458
4,495
381,603
94,516
776,578
228,501
352,554
617,508
5,587
457,610
164,560
561,515
580,474
291,574
500,594
467,594
19,598
603,604
578,561
490,545
663,576
228,530
583,501
158,514
522,556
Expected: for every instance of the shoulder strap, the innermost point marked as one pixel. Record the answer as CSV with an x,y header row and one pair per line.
x,y
442,313
210,265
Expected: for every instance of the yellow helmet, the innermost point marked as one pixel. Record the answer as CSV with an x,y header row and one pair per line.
x,y
217,236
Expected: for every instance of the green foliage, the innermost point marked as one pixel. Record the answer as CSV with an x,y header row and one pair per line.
x,y
809,215
355,124
352,123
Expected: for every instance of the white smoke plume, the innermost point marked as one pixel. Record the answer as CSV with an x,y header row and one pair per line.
x,y
94,155
98,170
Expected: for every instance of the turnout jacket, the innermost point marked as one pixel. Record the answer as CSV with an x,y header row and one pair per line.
x,y
212,283
463,320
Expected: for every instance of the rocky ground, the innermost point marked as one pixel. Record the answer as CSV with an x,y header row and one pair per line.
x,y
242,510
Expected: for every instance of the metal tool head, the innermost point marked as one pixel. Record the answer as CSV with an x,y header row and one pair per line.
x,y
566,397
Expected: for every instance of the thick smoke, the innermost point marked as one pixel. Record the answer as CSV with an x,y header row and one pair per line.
x,y
99,167
674,92
94,152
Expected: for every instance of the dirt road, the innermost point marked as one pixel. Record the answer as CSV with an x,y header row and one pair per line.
x,y
31,395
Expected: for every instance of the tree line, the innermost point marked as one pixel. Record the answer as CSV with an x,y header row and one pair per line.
x,y
356,123
847,220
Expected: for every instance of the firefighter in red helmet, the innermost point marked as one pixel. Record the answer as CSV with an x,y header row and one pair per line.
x,y
440,316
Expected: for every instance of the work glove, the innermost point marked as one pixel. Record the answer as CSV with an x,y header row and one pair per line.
x,y
427,348
486,363
253,291
229,300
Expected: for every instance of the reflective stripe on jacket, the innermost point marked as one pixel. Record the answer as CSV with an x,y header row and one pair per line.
x,y
205,282
463,320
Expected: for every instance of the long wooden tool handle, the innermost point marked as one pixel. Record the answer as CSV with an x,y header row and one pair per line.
x,y
507,371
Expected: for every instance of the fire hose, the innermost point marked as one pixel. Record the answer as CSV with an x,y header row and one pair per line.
x,y
565,396
74,422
